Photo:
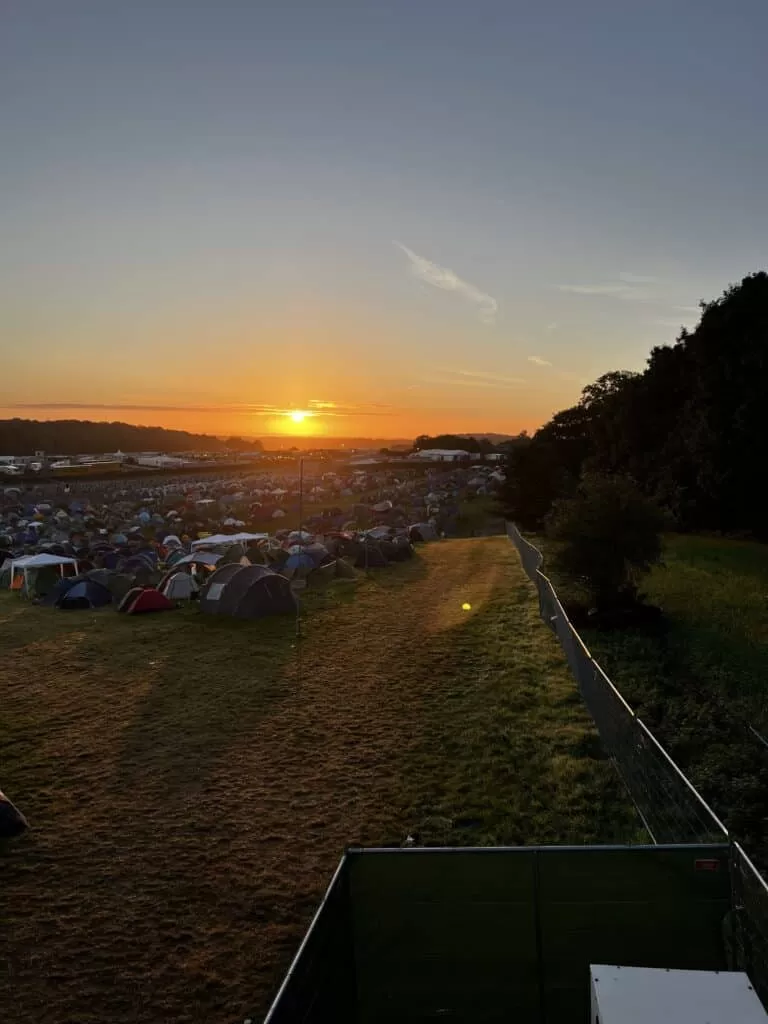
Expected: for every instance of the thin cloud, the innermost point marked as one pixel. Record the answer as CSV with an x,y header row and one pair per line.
x,y
259,409
139,407
449,281
538,361
490,375
553,326
636,278
475,379
614,290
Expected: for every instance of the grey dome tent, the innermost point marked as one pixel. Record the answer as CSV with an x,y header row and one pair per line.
x,y
370,556
423,532
211,593
179,586
250,592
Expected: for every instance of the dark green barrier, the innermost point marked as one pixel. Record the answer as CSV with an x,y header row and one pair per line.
x,y
486,935
320,985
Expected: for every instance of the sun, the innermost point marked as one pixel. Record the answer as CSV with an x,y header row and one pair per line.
x,y
298,416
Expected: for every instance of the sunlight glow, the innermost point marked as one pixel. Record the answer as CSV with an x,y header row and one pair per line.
x,y
299,415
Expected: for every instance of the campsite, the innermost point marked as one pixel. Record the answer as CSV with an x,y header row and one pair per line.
x,y
189,790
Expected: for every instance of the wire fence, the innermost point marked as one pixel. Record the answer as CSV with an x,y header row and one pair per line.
x,y
667,802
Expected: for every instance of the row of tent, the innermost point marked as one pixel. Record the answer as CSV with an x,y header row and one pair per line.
x,y
137,586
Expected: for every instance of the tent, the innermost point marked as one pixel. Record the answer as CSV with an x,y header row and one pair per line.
x,y
299,565
84,593
38,562
42,581
397,548
144,599
344,571
322,574
179,586
234,553
250,592
209,558
118,584
218,539
370,556
423,532
211,592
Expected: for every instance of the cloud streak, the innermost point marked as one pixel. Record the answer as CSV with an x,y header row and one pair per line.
x,y
611,289
475,379
636,278
538,361
449,281
251,409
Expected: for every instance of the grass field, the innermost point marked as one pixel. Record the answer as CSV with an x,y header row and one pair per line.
x,y
702,683
192,782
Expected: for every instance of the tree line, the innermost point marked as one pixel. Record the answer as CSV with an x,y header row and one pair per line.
x,y
689,431
84,437
456,442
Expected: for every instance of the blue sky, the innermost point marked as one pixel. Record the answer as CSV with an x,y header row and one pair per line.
x,y
404,210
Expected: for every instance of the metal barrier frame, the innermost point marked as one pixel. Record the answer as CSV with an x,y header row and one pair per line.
x,y
669,805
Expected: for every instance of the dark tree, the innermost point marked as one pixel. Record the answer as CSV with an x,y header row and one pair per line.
x,y
610,535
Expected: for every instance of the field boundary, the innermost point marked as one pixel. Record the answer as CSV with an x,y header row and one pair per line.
x,y
671,808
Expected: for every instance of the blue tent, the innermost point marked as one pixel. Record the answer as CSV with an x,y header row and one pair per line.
x,y
298,565
84,594
60,589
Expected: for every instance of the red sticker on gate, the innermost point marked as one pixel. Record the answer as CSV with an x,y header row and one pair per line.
x,y
706,865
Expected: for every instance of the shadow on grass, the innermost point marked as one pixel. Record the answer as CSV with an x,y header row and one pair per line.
x,y
215,679
218,678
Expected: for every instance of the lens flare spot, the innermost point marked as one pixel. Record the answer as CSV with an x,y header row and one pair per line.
x,y
467,607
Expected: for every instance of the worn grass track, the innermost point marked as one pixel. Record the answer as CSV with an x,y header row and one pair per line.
x,y
192,783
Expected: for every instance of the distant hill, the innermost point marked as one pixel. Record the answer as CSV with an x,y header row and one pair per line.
x,y
84,437
283,442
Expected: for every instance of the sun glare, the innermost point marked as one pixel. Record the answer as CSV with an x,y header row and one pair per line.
x,y
298,416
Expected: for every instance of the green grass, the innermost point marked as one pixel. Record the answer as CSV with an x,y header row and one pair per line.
x,y
702,684
191,782
714,593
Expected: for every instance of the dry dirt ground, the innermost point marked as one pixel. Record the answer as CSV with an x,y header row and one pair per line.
x,y
191,783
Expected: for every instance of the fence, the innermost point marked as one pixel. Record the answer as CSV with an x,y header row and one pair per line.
x,y
667,802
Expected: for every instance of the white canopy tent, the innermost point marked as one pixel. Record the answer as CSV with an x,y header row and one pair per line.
x,y
217,539
201,557
38,562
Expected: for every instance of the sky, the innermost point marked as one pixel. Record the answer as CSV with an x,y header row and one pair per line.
x,y
405,217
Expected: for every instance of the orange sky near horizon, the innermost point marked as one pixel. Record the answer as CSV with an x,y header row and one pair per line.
x,y
242,371
319,423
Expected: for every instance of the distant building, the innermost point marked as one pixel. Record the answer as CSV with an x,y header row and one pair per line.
x,y
161,461
441,455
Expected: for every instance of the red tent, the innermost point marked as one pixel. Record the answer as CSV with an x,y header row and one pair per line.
x,y
149,600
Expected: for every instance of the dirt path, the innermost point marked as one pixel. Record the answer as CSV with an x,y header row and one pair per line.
x,y
192,798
